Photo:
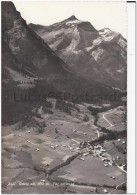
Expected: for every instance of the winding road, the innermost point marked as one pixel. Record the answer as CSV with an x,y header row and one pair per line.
x,y
111,125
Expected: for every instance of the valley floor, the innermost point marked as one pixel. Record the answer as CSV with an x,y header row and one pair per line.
x,y
67,157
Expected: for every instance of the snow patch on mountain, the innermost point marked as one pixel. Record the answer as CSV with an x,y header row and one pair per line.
x,y
104,31
74,22
97,53
81,46
122,43
108,38
75,41
89,48
108,34
97,41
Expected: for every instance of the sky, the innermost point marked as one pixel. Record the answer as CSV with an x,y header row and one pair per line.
x,y
101,15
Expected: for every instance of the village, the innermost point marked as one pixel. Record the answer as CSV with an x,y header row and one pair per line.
x,y
68,150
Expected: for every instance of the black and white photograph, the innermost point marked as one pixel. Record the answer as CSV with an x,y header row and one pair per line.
x,y
64,97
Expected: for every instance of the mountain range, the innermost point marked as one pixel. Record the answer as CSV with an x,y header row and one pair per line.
x,y
94,55
60,58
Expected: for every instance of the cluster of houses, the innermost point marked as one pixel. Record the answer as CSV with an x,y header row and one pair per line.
x,y
99,151
73,147
54,146
96,151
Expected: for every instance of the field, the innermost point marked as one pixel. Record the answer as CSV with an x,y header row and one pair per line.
x,y
113,120
90,171
117,149
55,156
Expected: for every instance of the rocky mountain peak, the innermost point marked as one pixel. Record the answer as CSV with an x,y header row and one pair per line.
x,y
88,50
72,18
87,26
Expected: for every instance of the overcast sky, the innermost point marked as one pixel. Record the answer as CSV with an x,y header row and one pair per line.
x,y
111,15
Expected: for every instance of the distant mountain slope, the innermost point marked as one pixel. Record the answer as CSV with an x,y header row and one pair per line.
x,y
30,66
95,55
33,57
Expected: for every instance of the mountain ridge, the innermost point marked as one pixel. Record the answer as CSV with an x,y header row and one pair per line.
x,y
35,56
30,66
77,42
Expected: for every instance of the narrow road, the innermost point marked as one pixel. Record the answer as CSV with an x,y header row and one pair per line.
x,y
117,187
121,168
75,141
111,125
32,143
98,134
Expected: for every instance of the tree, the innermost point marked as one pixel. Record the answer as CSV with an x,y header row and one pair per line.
x,y
86,118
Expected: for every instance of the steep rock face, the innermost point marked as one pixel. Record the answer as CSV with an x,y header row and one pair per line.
x,y
31,67
26,45
76,33
28,53
95,55
34,59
